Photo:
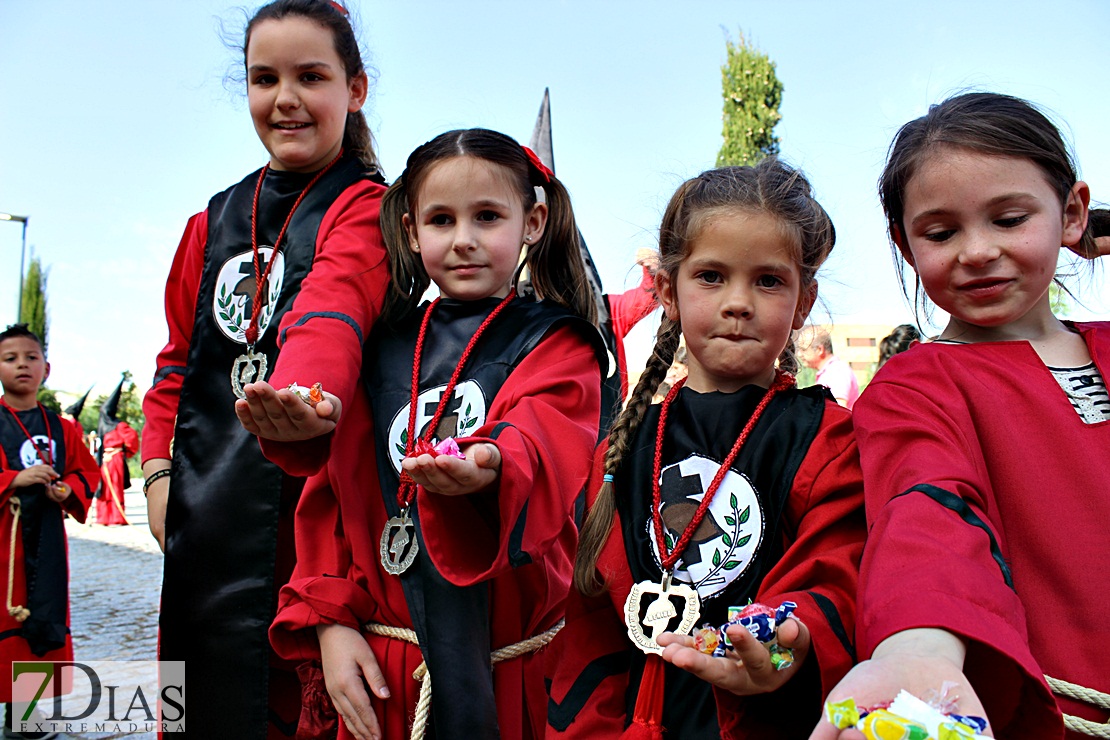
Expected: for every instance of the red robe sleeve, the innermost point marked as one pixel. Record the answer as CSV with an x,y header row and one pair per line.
x,y
82,474
182,286
933,557
588,662
328,586
544,422
632,306
321,336
823,541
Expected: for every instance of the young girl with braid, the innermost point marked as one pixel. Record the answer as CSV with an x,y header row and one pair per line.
x,y
413,558
737,487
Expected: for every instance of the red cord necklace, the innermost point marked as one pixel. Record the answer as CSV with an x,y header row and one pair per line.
x,y
661,611
398,545
244,370
48,456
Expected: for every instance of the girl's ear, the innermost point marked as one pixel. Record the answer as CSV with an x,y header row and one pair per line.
x,y
410,231
667,297
535,223
46,374
1075,213
358,87
805,305
899,240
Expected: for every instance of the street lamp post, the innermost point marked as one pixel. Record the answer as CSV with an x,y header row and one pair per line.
x,y
22,258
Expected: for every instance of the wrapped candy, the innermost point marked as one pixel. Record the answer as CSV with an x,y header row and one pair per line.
x,y
447,447
907,718
311,396
842,714
708,640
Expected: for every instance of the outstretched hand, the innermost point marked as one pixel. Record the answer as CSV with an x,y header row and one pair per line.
x,y
747,669
450,476
282,416
919,661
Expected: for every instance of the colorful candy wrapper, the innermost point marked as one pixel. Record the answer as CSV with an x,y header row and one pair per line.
x,y
907,718
781,657
884,725
447,447
707,640
450,447
311,396
842,714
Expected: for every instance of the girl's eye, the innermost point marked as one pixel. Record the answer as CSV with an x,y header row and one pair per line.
x,y
709,276
1011,221
311,77
264,79
440,219
939,236
488,216
769,281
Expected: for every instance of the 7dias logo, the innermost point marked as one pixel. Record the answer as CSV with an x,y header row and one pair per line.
x,y
117,697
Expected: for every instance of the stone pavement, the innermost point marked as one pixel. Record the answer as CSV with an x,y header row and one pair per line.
x,y
114,587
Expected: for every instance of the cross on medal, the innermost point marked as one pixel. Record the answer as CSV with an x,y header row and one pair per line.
x,y
660,612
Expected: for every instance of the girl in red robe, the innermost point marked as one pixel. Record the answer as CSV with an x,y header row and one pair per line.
x,y
416,571
289,258
985,451
737,487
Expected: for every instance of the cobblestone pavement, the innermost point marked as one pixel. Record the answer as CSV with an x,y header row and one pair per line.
x,y
114,587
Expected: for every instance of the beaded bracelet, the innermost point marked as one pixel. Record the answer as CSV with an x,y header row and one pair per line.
x,y
153,477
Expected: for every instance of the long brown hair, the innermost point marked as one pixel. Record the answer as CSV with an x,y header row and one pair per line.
x,y
357,139
554,262
770,187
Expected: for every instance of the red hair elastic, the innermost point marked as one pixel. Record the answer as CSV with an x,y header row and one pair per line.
x,y
538,164
338,8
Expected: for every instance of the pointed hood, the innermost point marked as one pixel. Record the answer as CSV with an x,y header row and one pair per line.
x,y
108,411
75,408
541,135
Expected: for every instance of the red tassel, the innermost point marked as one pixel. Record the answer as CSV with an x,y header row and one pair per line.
x,y
647,720
319,720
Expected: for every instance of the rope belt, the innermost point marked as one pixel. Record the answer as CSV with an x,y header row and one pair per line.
x,y
424,703
112,492
1086,695
19,613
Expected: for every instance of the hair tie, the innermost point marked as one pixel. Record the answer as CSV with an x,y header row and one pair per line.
x,y
338,8
538,165
607,478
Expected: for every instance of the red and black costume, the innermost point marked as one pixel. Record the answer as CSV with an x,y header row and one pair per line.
x,y
987,501
117,444
40,566
229,541
785,524
494,567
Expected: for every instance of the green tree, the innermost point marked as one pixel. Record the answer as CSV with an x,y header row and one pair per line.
x,y
32,311
752,95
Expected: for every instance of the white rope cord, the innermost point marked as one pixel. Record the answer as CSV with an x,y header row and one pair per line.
x,y
424,702
1086,695
19,613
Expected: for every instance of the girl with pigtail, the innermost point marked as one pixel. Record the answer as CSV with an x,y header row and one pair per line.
x,y
738,487
440,535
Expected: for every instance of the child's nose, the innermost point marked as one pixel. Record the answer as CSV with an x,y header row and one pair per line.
x,y
288,96
465,239
979,249
737,302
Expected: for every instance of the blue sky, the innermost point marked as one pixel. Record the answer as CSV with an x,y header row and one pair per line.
x,y
117,122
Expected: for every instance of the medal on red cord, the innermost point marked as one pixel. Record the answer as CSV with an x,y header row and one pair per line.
x,y
662,609
398,545
251,366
